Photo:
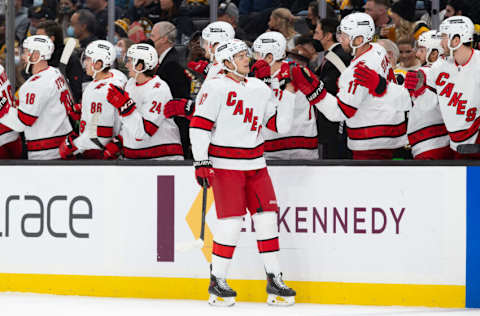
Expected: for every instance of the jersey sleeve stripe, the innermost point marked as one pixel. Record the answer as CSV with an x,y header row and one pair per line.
x,y
45,143
347,110
268,245
164,150
201,123
4,129
427,133
149,127
272,123
377,131
235,152
463,135
294,142
26,119
224,251
104,131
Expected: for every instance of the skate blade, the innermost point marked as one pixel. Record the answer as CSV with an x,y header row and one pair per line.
x,y
221,301
276,300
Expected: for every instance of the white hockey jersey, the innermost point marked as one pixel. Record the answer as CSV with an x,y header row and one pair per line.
x,y
215,70
457,88
426,129
99,121
7,135
147,133
229,115
301,141
372,122
41,113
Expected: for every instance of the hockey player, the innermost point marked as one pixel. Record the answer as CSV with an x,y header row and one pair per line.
x,y
41,111
301,141
145,132
228,153
99,121
456,81
376,123
10,141
426,130
212,35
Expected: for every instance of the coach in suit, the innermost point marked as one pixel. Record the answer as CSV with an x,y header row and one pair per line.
x,y
332,135
163,36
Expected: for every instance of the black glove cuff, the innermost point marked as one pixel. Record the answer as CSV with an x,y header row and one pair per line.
x,y
189,107
381,87
202,164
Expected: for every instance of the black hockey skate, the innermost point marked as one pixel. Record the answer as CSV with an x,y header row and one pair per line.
x,y
278,293
221,294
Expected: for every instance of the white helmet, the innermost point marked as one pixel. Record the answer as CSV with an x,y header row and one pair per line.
x,y
270,43
457,26
101,50
355,25
214,33
431,41
145,53
41,43
227,50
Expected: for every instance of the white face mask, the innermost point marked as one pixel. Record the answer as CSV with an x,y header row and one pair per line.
x,y
37,3
17,59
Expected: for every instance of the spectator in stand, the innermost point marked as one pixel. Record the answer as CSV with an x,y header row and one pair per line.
x,y
21,21
163,37
455,7
403,16
313,17
332,136
305,46
408,60
121,49
282,20
172,12
37,15
65,10
196,8
228,12
74,70
149,9
378,10
392,51
83,25
254,16
100,10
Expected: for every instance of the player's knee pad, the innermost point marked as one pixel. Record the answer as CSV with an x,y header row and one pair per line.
x,y
227,230
267,231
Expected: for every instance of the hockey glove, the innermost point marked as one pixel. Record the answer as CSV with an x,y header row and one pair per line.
x,y
368,78
179,107
203,172
200,67
261,70
74,111
304,80
415,82
67,148
112,150
285,76
4,106
120,99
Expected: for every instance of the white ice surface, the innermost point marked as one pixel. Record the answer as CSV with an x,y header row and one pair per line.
x,y
21,304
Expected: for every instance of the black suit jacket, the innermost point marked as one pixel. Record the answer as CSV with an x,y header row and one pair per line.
x,y
173,74
328,132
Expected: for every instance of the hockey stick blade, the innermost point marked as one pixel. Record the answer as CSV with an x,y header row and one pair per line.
x,y
187,246
469,149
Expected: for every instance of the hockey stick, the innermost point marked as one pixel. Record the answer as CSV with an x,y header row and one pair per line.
x,y
468,149
66,53
92,131
186,246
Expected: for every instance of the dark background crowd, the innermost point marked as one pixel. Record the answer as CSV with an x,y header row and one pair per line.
x,y
398,25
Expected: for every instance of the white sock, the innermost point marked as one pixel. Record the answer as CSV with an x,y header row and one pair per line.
x,y
267,240
227,234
